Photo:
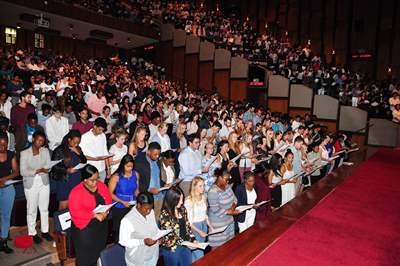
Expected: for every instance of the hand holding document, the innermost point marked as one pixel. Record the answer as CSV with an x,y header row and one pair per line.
x,y
234,159
10,182
103,208
218,230
79,166
53,163
210,162
161,233
244,208
192,245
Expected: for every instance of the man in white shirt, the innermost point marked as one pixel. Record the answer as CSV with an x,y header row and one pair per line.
x,y
162,138
226,128
56,128
94,146
137,231
155,122
190,163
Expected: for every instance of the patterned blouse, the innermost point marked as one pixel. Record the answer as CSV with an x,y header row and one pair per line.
x,y
172,240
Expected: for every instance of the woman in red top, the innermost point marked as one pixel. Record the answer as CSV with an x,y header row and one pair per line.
x,y
89,230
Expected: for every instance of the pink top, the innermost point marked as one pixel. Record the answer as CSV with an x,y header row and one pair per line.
x,y
95,104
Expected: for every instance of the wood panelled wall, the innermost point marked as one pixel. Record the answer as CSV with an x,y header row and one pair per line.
x,y
345,26
62,45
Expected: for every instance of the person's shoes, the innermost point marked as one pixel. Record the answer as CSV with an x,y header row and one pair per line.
x,y
47,236
4,247
37,239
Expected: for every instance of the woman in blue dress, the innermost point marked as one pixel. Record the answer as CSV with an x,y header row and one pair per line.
x,y
64,173
124,187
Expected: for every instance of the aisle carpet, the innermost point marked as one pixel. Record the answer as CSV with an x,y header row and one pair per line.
x,y
357,224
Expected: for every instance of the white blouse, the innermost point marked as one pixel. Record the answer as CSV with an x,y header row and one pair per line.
x,y
196,212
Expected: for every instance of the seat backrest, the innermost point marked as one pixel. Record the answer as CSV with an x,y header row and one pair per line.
x,y
113,255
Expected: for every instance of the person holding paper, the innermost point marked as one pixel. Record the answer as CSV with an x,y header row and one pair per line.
x,y
94,146
211,162
190,163
8,170
275,179
315,155
123,186
233,152
137,232
288,185
35,165
246,195
89,230
66,176
222,203
174,217
119,149
196,206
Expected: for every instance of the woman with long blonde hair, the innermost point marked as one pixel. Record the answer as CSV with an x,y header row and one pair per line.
x,y
138,143
178,139
246,148
196,206
234,150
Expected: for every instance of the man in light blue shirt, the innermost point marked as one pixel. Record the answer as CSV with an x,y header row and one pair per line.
x,y
249,114
190,163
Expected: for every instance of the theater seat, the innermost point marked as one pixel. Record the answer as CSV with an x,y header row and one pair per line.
x,y
113,256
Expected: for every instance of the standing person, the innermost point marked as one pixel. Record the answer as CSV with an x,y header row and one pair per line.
x,y
222,204
161,137
123,186
94,146
246,148
35,165
96,102
234,151
196,206
83,125
190,163
178,140
149,171
213,162
8,170
192,123
289,186
89,231
246,195
138,144
20,111
64,173
174,217
56,128
167,169
275,180
23,137
136,232
119,149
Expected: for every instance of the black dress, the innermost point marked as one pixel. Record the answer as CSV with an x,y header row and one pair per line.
x,y
91,240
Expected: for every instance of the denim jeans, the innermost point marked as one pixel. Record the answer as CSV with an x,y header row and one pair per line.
x,y
181,257
7,195
198,253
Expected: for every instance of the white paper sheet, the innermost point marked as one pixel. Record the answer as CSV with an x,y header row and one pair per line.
x,y
194,245
103,208
65,220
161,233
52,163
79,166
10,182
261,203
217,230
244,208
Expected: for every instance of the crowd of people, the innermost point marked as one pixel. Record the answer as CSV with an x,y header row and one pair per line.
x,y
168,158
298,63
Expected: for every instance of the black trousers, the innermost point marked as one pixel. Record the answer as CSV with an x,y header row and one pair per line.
x,y
117,215
276,194
89,242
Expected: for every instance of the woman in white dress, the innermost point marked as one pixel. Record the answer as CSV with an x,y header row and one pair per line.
x,y
289,186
